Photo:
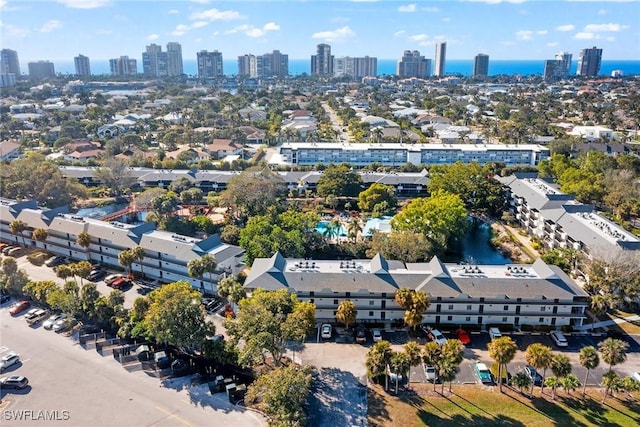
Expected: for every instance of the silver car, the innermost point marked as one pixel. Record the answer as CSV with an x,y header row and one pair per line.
x,y
9,359
48,324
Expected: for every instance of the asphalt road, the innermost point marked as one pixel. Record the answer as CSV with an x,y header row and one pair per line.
x,y
82,388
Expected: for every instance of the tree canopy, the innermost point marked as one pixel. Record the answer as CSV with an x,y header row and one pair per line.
x,y
378,199
339,180
252,192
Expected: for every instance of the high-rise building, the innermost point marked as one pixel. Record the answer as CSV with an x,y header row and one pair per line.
x,y
9,62
155,62
7,79
322,61
554,70
83,65
412,64
248,66
355,67
209,64
274,64
441,58
123,66
481,65
41,70
565,57
174,59
589,62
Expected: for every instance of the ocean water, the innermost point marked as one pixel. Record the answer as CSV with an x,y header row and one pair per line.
x,y
388,67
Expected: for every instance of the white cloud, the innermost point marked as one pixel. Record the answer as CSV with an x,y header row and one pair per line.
x,y
497,1
152,37
174,12
217,15
399,33
597,28
180,29
12,32
50,25
408,8
524,34
602,12
254,32
340,34
507,43
418,37
199,24
85,4
201,1
542,32
340,19
610,39
271,26
553,44
566,27
583,35
447,19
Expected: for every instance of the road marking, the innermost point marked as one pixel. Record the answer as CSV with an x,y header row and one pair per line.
x,y
25,360
185,401
182,420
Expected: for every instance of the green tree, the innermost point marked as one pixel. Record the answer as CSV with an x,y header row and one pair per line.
x,y
209,265
81,269
613,351
539,356
405,246
441,218
265,322
569,383
138,254
346,313
589,359
340,181
176,315
399,364
126,259
612,383
64,271
377,360
521,380
281,394
415,303
39,291
84,240
561,367
378,198
451,356
502,350
231,289
40,234
414,353
116,175
253,192
18,227
432,356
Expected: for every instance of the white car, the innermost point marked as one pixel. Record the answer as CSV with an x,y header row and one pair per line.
x,y
430,373
636,376
48,324
559,339
437,336
377,335
495,333
9,359
326,331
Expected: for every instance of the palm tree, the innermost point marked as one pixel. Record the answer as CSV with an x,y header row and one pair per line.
x,y
570,383
539,356
431,356
354,228
612,383
195,268
18,227
378,359
84,240
209,265
413,351
599,306
64,272
40,234
399,364
561,367
613,353
346,313
521,380
451,354
139,254
231,289
589,359
502,350
126,259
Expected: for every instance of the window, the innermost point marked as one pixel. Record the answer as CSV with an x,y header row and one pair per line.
x,y
450,306
371,302
504,320
335,301
311,300
371,314
467,319
312,294
541,320
468,307
439,299
543,308
334,312
506,308
449,318
348,294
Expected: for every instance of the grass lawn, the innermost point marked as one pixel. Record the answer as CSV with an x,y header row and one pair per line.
x,y
472,405
632,328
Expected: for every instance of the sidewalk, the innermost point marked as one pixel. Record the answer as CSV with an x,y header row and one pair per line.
x,y
634,318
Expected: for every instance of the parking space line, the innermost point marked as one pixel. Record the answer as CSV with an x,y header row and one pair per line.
x,y
182,420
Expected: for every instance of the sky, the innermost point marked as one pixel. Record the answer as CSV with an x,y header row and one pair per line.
x,y
503,29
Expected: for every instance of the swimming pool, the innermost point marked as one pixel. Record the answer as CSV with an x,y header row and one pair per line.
x,y
322,226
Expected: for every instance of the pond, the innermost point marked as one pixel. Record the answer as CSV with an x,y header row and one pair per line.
x,y
475,248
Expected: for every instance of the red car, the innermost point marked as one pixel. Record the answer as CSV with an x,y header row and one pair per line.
x,y
19,307
463,336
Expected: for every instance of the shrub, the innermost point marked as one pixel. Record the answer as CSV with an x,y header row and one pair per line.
x,y
38,258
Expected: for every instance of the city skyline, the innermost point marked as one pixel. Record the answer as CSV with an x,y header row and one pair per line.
x,y
513,29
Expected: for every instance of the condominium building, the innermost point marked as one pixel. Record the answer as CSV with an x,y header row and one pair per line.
x,y
174,59
209,64
355,67
123,66
481,65
7,79
155,62
516,295
391,154
560,221
554,70
41,70
248,66
83,65
166,254
589,62
274,64
565,57
412,64
322,61
9,62
441,58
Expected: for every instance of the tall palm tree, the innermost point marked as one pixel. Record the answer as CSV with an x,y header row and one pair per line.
x,y
354,228
139,255
399,364
18,227
599,305
346,313
125,258
431,356
84,240
521,380
40,234
413,351
561,367
613,353
377,359
589,359
502,350
195,268
539,356
570,383
209,265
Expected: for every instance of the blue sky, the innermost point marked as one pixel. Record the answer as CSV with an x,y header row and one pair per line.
x,y
504,29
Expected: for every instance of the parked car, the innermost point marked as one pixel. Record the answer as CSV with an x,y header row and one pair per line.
x,y
62,325
463,336
531,372
4,298
112,278
48,324
34,317
430,373
15,252
559,339
96,275
9,359
19,307
55,261
483,373
495,333
361,335
636,376
119,283
377,335
437,336
326,331
14,381
6,250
